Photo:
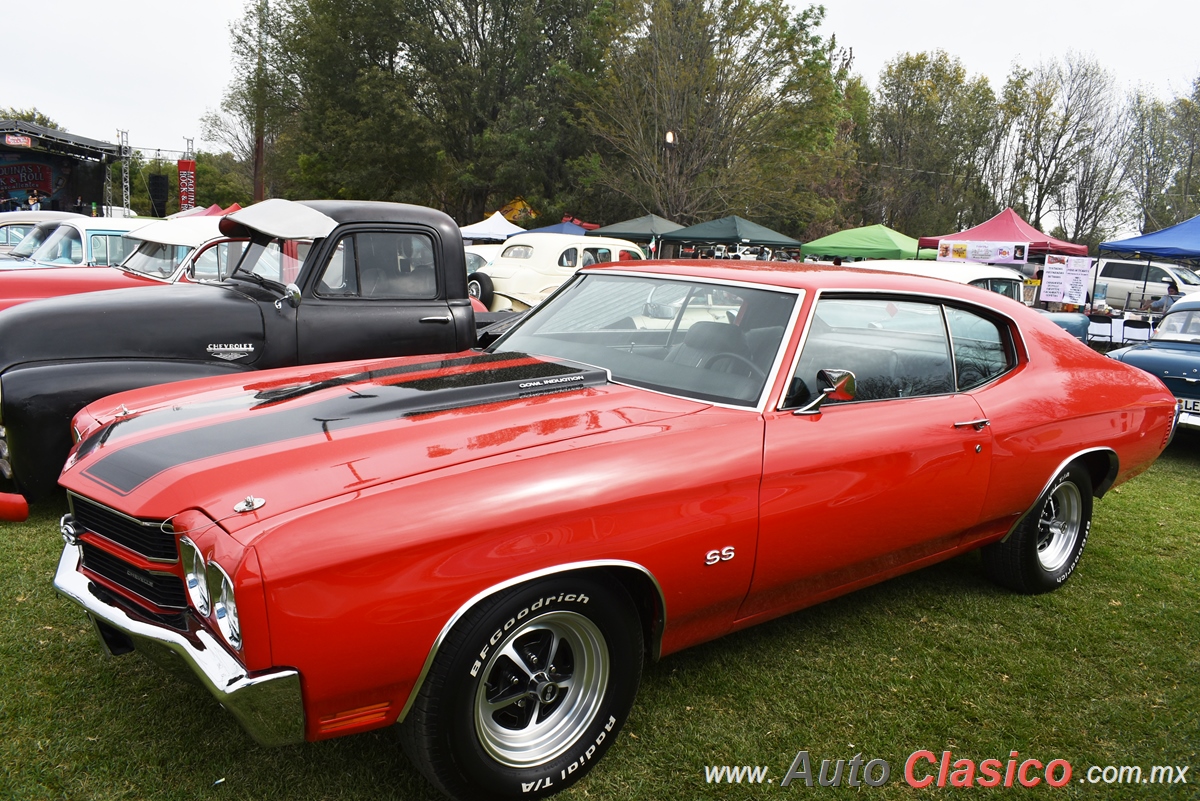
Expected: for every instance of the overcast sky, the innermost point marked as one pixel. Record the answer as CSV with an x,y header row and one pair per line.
x,y
154,67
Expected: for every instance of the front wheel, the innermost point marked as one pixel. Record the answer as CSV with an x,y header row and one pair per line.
x,y
1042,552
529,690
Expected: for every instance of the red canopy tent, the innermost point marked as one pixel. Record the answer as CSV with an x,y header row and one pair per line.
x,y
1007,226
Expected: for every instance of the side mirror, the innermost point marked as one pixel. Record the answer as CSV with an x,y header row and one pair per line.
x,y
837,385
291,293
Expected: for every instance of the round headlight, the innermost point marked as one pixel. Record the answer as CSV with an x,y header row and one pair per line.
x,y
224,606
194,575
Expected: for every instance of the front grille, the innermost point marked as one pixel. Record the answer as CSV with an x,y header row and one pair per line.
x,y
164,590
144,537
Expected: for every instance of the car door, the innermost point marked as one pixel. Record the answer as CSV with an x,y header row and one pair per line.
x,y
377,293
863,487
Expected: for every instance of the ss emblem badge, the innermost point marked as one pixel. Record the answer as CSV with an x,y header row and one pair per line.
x,y
723,555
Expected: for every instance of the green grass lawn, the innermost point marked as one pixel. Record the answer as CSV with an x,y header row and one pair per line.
x,y
1102,672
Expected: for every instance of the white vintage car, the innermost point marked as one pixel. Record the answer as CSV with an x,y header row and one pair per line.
x,y
531,266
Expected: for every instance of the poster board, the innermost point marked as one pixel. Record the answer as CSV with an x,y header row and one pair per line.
x,y
1065,279
987,252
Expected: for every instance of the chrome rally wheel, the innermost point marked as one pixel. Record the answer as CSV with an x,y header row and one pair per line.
x,y
543,683
1059,526
528,690
1043,550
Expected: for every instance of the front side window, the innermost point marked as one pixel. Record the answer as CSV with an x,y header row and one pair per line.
x,y
12,234
381,265
569,258
898,349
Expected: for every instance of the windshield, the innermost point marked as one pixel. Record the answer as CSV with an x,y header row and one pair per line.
x,y
1179,326
707,341
1186,276
155,259
64,246
277,260
33,241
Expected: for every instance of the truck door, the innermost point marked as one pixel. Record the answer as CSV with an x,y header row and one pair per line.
x,y
378,293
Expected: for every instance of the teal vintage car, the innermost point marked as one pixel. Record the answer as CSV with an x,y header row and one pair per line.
x,y
1173,354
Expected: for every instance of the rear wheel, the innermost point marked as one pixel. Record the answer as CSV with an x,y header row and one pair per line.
x,y
529,690
480,287
1042,552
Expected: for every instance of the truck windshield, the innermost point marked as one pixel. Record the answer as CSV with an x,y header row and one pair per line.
x,y
276,260
155,259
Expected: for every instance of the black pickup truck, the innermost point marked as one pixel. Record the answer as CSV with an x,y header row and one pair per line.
x,y
319,281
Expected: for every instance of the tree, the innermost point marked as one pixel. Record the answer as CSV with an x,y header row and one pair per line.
x,y
1150,161
707,108
30,115
1089,202
932,129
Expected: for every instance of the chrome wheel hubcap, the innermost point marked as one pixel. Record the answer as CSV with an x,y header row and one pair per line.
x,y
541,688
1059,526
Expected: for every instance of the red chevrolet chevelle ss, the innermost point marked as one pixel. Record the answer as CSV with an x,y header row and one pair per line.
x,y
484,547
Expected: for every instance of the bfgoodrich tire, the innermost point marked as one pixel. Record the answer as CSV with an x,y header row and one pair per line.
x,y
1044,549
528,690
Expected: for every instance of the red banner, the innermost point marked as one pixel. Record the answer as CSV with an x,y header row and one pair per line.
x,y
25,176
14,140
187,185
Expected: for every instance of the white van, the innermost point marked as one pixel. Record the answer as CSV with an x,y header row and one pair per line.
x,y
1131,284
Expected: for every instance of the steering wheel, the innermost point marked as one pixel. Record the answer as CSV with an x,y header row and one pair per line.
x,y
716,357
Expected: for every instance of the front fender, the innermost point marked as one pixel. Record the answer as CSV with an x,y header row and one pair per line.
x,y
39,400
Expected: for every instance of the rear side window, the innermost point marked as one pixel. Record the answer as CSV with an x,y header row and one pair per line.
x,y
1124,271
980,348
518,252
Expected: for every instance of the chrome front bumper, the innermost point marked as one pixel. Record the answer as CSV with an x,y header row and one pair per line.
x,y
269,705
1189,420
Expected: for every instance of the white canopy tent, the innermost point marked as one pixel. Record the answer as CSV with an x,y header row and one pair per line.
x,y
494,229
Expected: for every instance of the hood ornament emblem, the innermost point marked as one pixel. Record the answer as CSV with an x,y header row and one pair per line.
x,y
249,504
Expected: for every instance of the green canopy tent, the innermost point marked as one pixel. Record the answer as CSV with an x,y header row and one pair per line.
x,y
731,230
639,229
869,242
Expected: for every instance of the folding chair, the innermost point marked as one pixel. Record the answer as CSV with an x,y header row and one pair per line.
x,y
1134,326
1100,327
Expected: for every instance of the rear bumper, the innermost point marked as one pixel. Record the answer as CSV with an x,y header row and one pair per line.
x,y
268,705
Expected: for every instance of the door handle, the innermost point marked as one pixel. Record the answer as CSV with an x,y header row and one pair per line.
x,y
441,318
978,425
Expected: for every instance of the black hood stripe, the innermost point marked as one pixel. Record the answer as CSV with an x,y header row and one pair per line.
x,y
125,469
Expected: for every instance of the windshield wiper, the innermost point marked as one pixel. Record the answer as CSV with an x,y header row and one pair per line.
x,y
258,279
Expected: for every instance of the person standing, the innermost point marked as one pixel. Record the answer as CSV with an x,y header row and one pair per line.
x,y
35,200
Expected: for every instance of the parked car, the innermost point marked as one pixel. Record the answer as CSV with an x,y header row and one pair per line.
x,y
1173,356
1006,281
187,249
15,225
531,266
81,241
1132,284
658,454
320,281
20,253
479,255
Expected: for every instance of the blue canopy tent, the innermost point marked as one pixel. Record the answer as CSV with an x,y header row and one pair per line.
x,y
560,228
1178,243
